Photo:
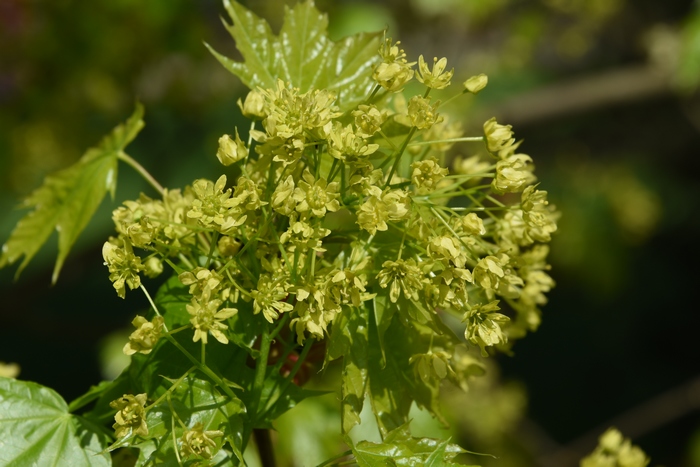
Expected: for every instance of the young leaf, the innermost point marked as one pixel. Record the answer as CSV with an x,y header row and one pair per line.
x,y
68,199
193,401
400,448
302,54
37,429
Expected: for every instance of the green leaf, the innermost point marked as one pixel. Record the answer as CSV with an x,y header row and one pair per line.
x,y
172,299
37,429
68,199
302,54
400,448
193,401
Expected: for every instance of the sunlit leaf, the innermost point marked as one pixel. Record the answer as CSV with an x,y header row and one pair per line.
x,y
192,401
37,429
400,448
302,54
68,199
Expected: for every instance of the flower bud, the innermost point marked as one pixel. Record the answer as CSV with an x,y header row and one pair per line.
x,y
153,266
254,106
476,83
230,150
228,246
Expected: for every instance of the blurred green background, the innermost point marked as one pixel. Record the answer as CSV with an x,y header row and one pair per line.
x,y
605,95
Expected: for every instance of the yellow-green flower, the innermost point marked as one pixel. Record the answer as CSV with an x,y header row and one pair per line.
x,y
472,224
539,219
381,207
231,150
427,174
493,274
368,119
146,335
131,415
402,275
348,146
124,266
484,326
207,317
476,83
513,174
268,298
254,105
432,366
614,450
499,138
213,206
198,442
421,114
317,196
437,78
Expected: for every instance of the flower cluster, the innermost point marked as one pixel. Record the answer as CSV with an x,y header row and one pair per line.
x,y
338,209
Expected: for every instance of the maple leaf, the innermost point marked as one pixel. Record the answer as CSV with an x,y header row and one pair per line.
x,y
67,199
302,54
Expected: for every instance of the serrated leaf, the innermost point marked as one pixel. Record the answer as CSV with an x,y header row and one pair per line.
x,y
193,401
68,199
302,54
37,429
400,448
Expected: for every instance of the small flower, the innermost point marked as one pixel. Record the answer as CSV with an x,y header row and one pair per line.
x,y
513,174
200,279
492,274
402,275
269,297
394,71
214,207
228,246
282,199
539,219
476,83
432,366
153,267
124,266
254,106
427,174
315,310
484,326
346,145
231,150
197,442
499,138
437,78
303,235
368,120
472,224
381,207
392,76
615,450
207,318
145,337
317,196
131,415
421,114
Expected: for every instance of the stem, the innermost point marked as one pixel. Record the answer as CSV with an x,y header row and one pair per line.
x,y
203,368
398,156
260,367
144,173
335,458
449,140
264,444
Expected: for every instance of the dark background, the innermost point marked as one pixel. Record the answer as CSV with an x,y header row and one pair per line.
x,y
604,94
